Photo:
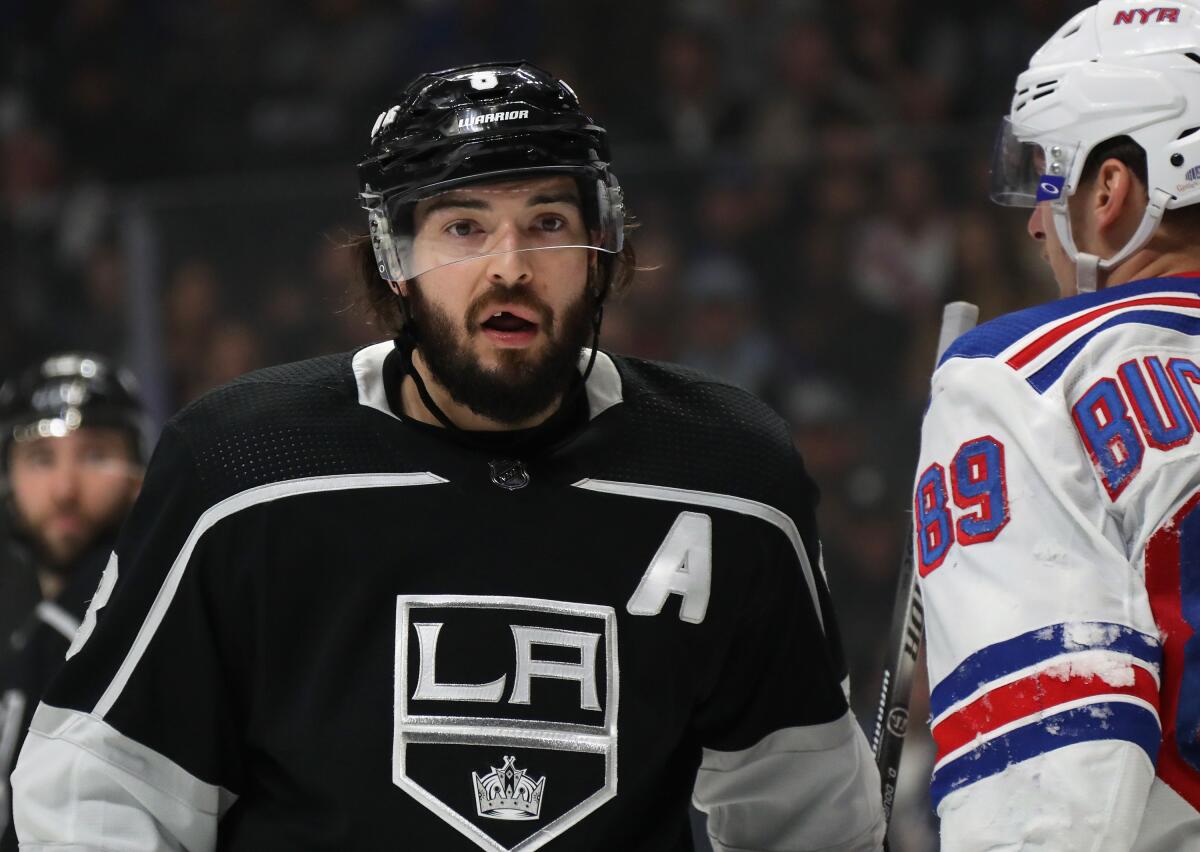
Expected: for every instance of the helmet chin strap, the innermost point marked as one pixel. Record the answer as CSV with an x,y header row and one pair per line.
x,y
1088,266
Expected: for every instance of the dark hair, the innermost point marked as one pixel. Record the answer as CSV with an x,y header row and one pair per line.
x,y
387,311
1120,148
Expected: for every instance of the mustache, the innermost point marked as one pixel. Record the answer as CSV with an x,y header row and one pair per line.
x,y
504,294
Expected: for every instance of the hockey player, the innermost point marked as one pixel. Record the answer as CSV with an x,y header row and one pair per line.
x,y
70,452
1058,495
478,588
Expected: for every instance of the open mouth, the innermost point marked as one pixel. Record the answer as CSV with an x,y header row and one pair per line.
x,y
508,323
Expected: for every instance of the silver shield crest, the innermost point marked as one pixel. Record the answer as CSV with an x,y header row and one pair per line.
x,y
516,685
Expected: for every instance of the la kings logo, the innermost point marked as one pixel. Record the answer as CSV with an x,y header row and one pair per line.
x,y
499,700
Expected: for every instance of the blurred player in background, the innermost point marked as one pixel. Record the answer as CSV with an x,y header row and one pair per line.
x,y
71,455
479,587
1058,495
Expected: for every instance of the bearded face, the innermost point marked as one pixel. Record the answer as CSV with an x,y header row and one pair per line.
x,y
502,332
69,491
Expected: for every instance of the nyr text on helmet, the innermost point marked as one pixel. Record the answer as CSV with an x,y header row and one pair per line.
x,y
1160,15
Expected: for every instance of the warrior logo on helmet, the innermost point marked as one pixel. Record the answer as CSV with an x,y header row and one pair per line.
x,y
471,121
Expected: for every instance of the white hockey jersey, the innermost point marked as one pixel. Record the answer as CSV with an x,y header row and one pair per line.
x,y
1057,519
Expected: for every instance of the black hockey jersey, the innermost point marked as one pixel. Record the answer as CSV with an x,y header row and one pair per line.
x,y
329,628
19,592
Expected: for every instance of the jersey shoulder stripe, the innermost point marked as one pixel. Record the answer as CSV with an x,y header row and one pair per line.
x,y
1044,377
1039,343
1076,681
1129,720
1040,691
1008,658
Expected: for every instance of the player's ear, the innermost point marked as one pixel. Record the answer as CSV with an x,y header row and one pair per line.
x,y
1114,189
400,288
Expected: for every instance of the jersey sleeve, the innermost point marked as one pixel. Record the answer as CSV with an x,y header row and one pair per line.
x,y
36,653
130,747
13,720
785,764
1042,650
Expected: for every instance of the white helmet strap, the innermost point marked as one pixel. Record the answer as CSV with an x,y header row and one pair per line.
x,y
1087,266
1086,272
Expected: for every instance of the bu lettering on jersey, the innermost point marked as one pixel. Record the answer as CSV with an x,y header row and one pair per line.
x,y
541,691
1105,416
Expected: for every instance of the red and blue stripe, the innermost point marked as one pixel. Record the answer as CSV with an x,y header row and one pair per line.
x,y
1046,376
1020,698
1158,302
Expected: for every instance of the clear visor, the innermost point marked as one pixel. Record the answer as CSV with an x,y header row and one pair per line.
x,y
1025,173
543,218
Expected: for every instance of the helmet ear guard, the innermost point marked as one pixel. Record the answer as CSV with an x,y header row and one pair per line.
x,y
610,202
387,259
610,205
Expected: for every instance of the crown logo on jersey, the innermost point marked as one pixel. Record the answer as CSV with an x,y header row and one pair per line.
x,y
508,793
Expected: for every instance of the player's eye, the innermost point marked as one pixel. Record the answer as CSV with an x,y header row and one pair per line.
x,y
552,223
97,455
40,459
461,228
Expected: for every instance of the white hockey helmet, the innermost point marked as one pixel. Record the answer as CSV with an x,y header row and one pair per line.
x,y
1112,70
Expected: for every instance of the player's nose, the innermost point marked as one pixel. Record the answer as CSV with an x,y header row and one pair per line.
x,y
510,263
63,483
1036,226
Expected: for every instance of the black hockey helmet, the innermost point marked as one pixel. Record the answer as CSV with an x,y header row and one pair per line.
x,y
65,392
480,123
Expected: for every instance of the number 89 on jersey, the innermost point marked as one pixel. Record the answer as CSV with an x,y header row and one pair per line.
x,y
976,486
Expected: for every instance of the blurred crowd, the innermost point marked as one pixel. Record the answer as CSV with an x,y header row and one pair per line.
x,y
809,178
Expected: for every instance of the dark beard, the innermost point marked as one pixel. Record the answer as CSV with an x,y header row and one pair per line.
x,y
31,546
525,384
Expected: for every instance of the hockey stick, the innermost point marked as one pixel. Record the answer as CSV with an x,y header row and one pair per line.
x,y
908,617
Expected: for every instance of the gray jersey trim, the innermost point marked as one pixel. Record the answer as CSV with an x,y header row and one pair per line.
x,y
368,375
604,389
156,792
57,618
814,788
12,714
222,510
741,505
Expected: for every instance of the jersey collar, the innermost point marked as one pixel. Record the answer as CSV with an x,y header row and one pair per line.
x,y
603,385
